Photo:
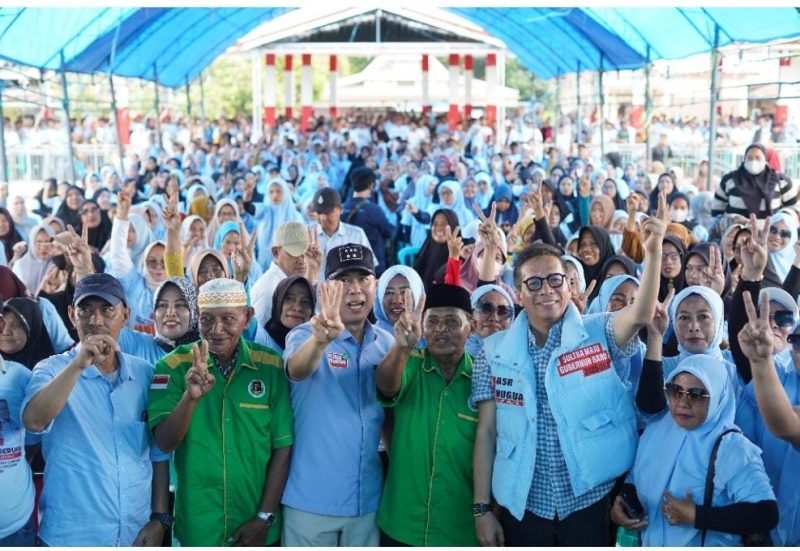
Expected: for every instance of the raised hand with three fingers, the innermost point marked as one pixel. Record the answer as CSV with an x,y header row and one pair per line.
x,y
327,325
408,329
713,275
199,381
754,250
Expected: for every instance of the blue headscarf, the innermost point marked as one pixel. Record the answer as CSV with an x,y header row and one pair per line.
x,y
510,216
608,288
414,282
674,459
276,216
783,259
422,200
465,217
484,199
233,227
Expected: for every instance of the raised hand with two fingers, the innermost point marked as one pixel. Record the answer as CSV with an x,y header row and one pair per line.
x,y
660,322
199,381
755,338
408,329
454,242
242,256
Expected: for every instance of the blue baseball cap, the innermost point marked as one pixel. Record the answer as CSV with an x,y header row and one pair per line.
x,y
103,286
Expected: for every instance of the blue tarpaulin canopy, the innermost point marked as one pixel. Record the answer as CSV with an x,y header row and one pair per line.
x,y
174,45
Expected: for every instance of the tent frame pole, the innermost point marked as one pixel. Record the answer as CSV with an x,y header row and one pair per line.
x,y
188,99
202,101
712,116
65,101
3,157
578,130
557,115
120,148
648,107
602,111
158,112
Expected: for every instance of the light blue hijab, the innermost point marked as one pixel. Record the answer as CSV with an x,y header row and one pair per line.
x,y
414,282
783,259
674,459
609,286
233,227
474,341
276,216
422,201
465,216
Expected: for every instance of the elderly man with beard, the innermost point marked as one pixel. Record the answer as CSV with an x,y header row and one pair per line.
x,y
90,405
427,500
335,477
223,406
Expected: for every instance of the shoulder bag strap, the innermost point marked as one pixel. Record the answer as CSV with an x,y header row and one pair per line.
x,y
709,489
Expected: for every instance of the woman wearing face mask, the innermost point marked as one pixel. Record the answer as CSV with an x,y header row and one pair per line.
x,y
175,316
754,188
672,461
392,285
493,311
292,305
679,211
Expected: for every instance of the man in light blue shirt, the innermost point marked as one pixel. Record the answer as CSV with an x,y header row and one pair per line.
x,y
335,476
90,406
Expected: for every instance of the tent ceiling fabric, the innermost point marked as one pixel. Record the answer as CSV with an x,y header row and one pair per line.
x,y
181,42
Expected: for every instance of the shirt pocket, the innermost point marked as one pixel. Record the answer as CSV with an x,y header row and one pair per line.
x,y
467,424
255,418
136,439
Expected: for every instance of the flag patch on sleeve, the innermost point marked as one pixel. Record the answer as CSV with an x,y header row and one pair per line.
x,y
159,382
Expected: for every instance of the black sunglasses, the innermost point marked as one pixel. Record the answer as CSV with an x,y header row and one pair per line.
x,y
694,395
487,310
785,234
553,280
783,318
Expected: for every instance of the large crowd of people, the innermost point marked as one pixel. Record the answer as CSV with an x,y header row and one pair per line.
x,y
385,331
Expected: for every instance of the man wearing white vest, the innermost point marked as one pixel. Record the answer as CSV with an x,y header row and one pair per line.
x,y
557,425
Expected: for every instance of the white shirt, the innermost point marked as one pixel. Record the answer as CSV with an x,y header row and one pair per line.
x,y
345,235
263,289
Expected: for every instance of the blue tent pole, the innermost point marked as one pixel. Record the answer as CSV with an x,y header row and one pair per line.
x,y
557,116
202,101
67,117
601,115
579,132
188,100
120,148
647,108
3,157
712,117
158,113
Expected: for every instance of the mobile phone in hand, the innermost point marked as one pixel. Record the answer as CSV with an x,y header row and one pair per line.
x,y
631,505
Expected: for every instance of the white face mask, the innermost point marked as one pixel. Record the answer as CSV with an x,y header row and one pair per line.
x,y
755,167
678,215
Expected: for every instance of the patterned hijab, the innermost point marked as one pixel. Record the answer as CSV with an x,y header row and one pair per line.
x,y
189,292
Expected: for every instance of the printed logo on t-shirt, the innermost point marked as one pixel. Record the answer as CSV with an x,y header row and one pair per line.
x,y
159,382
256,388
590,360
11,439
337,360
503,393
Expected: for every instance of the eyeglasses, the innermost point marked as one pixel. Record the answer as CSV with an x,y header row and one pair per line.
x,y
784,234
450,322
86,312
670,256
694,395
90,210
783,318
553,280
487,310
155,264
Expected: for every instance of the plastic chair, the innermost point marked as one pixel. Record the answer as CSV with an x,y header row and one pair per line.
x,y
407,255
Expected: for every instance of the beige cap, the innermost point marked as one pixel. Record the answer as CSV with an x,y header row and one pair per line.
x,y
292,236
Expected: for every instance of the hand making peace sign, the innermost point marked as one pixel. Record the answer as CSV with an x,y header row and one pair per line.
x,y
199,381
660,322
454,242
171,214
580,299
487,229
242,256
408,329
755,338
327,325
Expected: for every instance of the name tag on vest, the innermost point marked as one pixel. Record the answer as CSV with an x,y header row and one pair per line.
x,y
590,360
506,395
337,360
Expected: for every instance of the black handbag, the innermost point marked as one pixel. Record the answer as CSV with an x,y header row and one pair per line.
x,y
759,539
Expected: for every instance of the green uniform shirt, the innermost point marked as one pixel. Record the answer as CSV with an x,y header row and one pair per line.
x,y
222,461
427,498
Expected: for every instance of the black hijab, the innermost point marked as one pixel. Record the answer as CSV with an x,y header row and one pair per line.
x,y
274,327
754,188
678,282
12,237
603,240
67,215
433,255
99,236
627,263
703,250
654,194
39,345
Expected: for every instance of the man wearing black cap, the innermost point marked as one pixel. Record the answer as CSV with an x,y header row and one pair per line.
x,y
90,405
427,500
362,212
331,232
335,476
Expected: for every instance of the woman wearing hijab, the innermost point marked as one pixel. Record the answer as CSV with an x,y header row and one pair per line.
x,y
673,459
451,197
493,311
226,210
754,187
292,304
69,211
594,249
98,222
434,253
618,265
673,263
392,285
611,189
507,212
666,182
206,265
175,315
24,338
193,236
701,209
485,189
478,266
277,210
780,244
415,214
199,206
151,210
32,267
8,234
227,241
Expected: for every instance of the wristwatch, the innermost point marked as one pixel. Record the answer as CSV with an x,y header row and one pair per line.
x,y
480,509
268,518
164,518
